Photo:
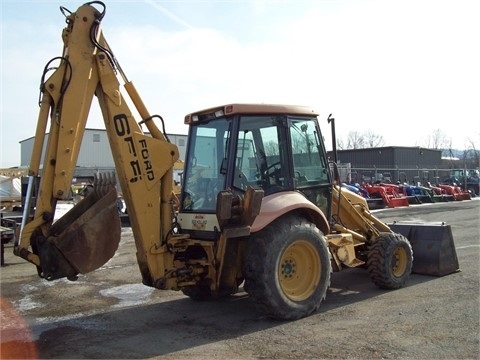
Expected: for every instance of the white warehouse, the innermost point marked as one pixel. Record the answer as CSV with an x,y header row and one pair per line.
x,y
95,154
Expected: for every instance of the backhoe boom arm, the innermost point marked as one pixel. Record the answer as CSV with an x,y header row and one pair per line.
x,y
143,161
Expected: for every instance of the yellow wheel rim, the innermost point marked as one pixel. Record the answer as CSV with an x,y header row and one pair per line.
x,y
400,261
299,270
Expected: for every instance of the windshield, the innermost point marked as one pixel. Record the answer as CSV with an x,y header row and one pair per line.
x,y
206,165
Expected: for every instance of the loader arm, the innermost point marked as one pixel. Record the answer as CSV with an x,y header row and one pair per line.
x,y
351,215
89,234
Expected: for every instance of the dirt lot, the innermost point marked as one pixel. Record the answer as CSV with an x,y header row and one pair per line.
x,y
110,314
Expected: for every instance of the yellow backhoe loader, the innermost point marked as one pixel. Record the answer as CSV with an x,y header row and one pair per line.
x,y
258,203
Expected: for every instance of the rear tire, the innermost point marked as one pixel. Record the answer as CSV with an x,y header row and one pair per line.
x,y
390,261
473,191
287,268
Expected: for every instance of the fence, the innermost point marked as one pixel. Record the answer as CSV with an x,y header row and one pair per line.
x,y
393,175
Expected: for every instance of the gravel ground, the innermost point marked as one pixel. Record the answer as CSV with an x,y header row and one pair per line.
x,y
110,314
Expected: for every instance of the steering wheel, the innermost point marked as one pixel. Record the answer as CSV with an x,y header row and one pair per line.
x,y
268,171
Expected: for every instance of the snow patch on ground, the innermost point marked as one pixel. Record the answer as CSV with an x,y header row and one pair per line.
x,y
128,295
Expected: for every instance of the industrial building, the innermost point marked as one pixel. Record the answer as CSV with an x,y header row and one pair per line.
x,y
95,154
391,163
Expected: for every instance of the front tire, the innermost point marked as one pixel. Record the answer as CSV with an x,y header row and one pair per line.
x,y
390,261
287,268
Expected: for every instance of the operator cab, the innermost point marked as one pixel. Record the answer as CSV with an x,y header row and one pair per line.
x,y
278,148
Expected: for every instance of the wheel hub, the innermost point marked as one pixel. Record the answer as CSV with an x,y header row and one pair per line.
x,y
399,262
288,268
299,270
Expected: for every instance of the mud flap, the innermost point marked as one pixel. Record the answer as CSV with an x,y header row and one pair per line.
x,y
433,247
84,239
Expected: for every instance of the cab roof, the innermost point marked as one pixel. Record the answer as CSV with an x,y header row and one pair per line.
x,y
231,109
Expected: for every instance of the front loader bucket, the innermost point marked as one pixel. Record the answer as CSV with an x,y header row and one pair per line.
x,y
85,238
433,247
394,202
375,203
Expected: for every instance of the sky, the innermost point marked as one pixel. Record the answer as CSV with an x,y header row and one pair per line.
x,y
398,69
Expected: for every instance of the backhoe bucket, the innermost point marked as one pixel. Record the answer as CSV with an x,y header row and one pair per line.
x,y
433,247
87,236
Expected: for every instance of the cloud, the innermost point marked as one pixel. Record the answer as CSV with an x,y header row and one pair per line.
x,y
401,69
168,13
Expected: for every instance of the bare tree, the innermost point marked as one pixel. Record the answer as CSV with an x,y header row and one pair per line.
x,y
373,140
355,140
472,155
438,140
271,148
